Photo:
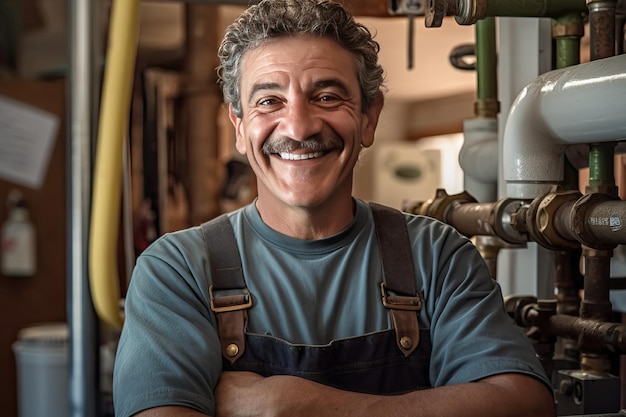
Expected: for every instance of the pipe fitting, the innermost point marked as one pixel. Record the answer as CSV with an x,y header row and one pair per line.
x,y
506,221
557,110
436,10
470,11
589,214
438,207
543,220
567,29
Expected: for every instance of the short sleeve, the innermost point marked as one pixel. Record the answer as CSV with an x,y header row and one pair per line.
x,y
169,351
472,335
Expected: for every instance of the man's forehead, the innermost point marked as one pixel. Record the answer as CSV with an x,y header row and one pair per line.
x,y
316,60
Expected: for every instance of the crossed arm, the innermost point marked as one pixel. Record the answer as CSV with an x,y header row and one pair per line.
x,y
241,394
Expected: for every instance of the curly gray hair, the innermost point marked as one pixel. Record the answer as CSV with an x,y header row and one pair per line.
x,y
275,18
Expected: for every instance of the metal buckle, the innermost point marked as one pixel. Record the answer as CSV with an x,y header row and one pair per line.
x,y
247,301
400,302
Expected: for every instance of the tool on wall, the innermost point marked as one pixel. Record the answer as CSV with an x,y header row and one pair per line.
x,y
411,9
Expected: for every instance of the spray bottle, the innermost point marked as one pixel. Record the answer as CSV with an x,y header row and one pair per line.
x,y
17,244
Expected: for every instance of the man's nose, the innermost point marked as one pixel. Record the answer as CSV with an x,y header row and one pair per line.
x,y
302,120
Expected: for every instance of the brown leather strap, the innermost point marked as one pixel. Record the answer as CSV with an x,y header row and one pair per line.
x,y
227,277
398,290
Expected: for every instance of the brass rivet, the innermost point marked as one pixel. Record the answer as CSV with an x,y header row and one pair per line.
x,y
406,342
232,350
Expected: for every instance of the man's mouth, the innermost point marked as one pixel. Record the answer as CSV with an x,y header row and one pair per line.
x,y
299,157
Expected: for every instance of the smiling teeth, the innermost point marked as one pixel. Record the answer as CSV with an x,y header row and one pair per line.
x,y
298,157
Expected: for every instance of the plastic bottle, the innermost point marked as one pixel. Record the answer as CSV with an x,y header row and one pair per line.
x,y
18,241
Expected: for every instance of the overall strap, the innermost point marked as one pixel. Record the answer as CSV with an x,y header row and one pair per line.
x,y
398,289
229,296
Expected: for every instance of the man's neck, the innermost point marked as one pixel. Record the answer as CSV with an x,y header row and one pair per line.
x,y
307,223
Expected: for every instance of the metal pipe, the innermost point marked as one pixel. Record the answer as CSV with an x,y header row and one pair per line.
x,y
471,11
612,335
560,108
567,30
566,219
471,219
567,283
83,352
601,28
602,168
486,67
478,156
596,306
566,273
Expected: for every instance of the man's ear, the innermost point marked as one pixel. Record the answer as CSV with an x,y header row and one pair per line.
x,y
240,142
370,121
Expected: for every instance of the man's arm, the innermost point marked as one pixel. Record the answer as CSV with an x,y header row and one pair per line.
x,y
248,394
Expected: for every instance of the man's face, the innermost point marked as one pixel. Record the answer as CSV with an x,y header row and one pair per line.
x,y
302,91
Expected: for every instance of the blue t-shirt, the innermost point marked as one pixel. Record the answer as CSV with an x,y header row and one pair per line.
x,y
306,292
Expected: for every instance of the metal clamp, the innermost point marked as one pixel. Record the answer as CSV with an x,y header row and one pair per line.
x,y
398,302
231,302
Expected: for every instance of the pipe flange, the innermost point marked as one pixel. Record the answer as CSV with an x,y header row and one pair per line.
x,y
503,213
487,107
578,219
545,219
540,223
470,11
442,202
573,29
435,12
531,215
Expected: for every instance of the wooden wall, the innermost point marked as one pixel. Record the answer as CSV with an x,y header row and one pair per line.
x,y
42,297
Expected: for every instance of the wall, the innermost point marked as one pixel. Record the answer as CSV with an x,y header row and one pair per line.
x,y
42,297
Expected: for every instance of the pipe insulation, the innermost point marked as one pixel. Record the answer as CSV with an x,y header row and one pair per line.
x,y
107,183
478,158
575,105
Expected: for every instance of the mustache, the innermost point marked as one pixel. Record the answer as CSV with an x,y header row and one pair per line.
x,y
313,143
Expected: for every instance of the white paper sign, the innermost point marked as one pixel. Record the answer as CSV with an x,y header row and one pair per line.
x,y
27,136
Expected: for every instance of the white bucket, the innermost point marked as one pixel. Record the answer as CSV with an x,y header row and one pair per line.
x,y
42,357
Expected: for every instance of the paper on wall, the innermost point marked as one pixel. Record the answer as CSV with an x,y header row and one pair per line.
x,y
27,136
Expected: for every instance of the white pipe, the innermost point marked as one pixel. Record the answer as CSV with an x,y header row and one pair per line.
x,y
580,104
478,158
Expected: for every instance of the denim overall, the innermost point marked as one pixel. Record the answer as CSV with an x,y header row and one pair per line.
x,y
392,361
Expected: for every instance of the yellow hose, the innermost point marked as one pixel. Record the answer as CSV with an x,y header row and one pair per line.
x,y
107,183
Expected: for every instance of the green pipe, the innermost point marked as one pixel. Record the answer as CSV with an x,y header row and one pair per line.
x,y
486,66
545,8
601,167
567,31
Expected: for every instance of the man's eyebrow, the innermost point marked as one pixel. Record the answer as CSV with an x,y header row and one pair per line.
x,y
332,82
262,86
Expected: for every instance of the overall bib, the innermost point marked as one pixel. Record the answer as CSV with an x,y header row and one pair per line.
x,y
391,361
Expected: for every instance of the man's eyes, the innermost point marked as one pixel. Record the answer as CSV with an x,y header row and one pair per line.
x,y
267,101
327,98
324,99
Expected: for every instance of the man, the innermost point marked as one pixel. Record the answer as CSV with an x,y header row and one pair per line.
x,y
303,86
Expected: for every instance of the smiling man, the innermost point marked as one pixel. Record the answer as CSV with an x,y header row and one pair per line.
x,y
302,127
309,301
